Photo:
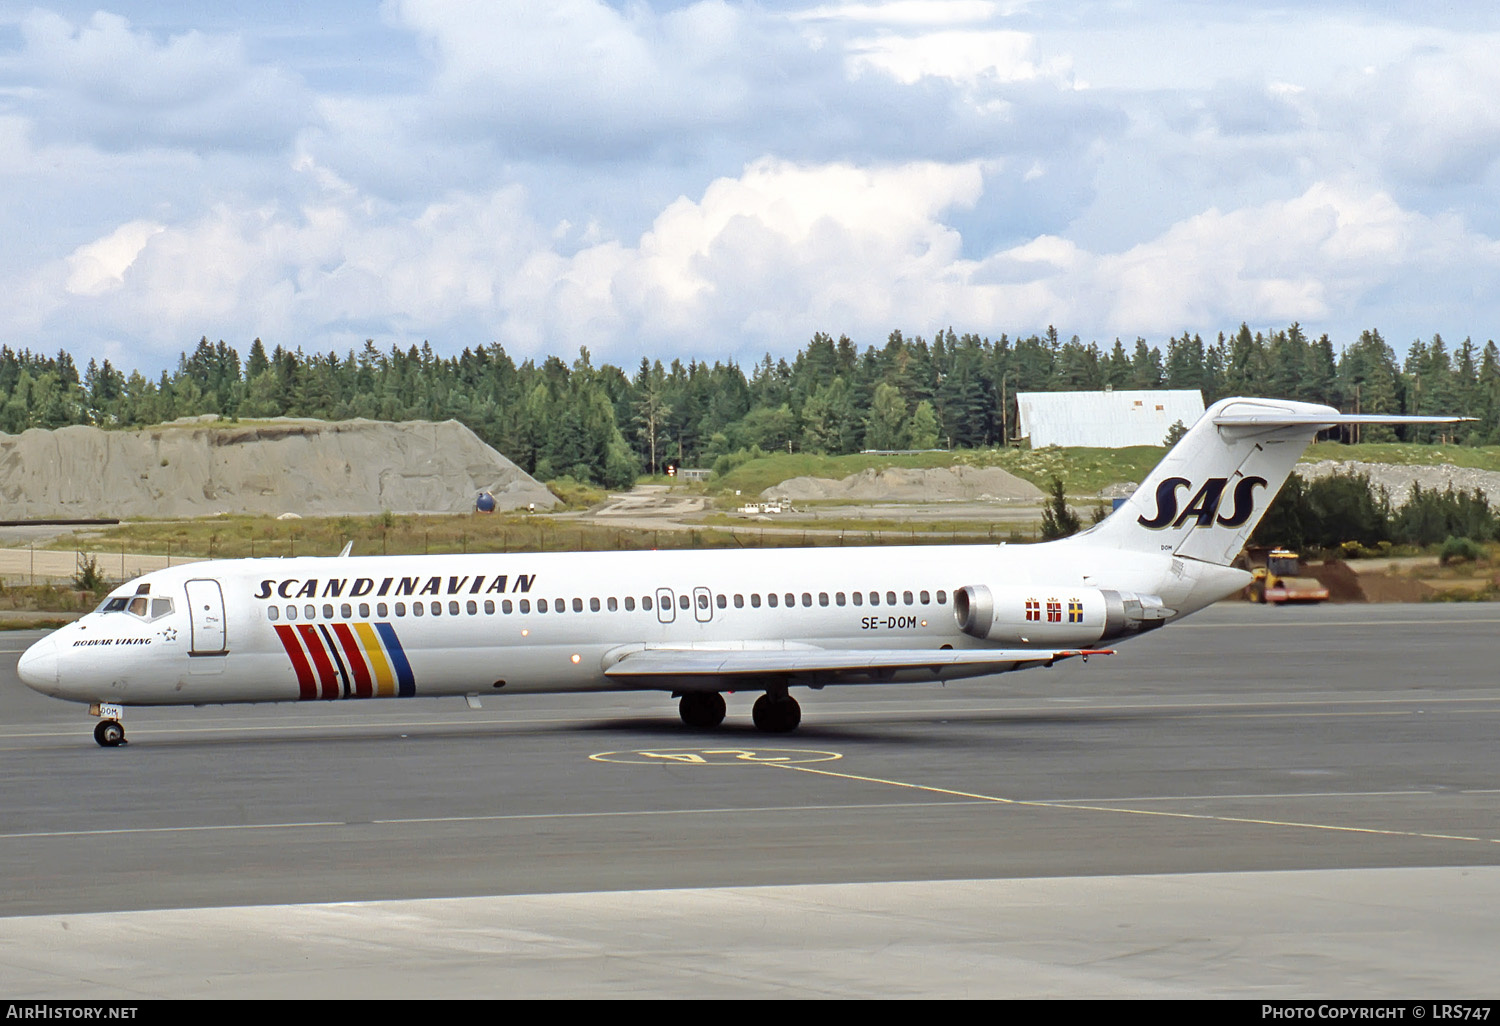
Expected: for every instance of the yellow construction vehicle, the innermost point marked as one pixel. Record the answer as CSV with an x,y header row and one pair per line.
x,y
1278,581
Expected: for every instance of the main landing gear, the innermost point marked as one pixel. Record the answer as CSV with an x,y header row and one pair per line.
x,y
774,713
701,710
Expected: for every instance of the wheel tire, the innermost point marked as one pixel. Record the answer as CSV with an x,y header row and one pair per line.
x,y
776,714
702,710
109,733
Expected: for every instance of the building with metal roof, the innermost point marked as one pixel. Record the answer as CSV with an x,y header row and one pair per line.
x,y
1106,420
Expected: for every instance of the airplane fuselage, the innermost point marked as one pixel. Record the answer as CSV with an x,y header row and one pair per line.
x,y
270,630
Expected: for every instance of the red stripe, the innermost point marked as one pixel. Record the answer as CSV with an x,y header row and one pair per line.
x,y
314,642
362,684
299,661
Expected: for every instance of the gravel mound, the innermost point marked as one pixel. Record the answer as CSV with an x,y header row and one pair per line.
x,y
1397,480
933,484
196,467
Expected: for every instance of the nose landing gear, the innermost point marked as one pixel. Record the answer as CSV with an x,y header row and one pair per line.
x,y
109,731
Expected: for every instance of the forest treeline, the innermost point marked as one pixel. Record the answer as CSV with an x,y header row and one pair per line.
x,y
608,424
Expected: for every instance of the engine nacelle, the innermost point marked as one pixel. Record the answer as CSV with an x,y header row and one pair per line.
x,y
1055,615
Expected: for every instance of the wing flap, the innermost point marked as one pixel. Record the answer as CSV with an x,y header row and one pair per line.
x,y
864,665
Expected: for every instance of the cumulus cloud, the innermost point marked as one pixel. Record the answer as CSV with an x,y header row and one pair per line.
x,y
723,176
119,87
758,261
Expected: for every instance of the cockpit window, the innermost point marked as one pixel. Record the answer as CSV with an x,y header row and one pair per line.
x,y
143,606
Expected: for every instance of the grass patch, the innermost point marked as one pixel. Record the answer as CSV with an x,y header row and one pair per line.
x,y
1084,471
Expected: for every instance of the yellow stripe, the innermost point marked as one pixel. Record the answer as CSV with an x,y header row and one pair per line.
x,y
385,681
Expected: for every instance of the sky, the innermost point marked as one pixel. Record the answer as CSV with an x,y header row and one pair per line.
x,y
722,179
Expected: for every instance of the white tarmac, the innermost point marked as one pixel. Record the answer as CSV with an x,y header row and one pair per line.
x,y
1400,934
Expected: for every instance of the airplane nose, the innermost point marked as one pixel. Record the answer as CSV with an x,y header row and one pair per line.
x,y
38,666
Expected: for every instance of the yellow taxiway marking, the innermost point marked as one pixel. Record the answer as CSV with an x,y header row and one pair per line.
x,y
718,756
997,800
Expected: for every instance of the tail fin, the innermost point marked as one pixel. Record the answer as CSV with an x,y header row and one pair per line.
x,y
1204,499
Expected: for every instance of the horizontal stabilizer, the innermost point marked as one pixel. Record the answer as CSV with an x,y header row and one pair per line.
x,y
1276,418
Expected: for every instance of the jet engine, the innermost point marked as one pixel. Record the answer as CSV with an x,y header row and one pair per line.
x,y
1055,615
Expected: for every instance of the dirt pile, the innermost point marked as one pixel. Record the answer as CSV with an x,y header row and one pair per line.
x,y
894,484
308,467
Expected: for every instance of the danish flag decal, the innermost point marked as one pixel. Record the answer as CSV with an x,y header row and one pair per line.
x,y
1204,506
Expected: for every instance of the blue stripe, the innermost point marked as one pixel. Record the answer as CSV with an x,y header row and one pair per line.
x,y
406,685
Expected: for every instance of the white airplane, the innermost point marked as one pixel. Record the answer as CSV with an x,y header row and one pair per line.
x,y
692,623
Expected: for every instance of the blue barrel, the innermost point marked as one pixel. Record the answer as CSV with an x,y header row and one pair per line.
x,y
485,503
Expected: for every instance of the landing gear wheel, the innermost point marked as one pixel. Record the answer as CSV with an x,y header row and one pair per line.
x,y
776,714
109,733
702,710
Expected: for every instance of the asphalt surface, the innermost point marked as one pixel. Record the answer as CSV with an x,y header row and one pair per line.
x,y
1255,802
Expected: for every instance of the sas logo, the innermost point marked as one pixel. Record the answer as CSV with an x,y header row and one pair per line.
x,y
1204,506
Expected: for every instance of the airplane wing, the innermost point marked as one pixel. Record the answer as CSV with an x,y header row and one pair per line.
x,y
689,666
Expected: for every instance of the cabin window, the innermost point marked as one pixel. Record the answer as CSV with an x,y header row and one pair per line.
x,y
380,610
926,598
702,601
561,606
771,600
138,606
437,608
755,600
416,609
806,598
838,598
541,605
273,613
291,612
822,598
629,603
722,601
310,612
593,605
612,604
506,607
489,607
942,597
682,601
859,599
906,597
890,598
739,602
473,607
364,611
578,605
646,603
453,607
526,605
791,600
346,611
874,598
400,608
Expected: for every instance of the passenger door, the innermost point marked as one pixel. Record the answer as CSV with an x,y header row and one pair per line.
x,y
206,611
